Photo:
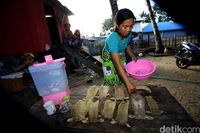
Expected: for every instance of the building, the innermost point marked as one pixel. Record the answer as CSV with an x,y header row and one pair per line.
x,y
31,25
166,29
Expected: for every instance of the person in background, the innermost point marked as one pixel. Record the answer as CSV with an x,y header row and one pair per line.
x,y
67,34
70,39
77,39
73,41
113,53
77,44
77,34
27,60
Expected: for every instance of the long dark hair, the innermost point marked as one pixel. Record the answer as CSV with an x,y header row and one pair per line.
x,y
122,15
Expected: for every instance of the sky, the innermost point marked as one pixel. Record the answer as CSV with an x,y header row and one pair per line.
x,y
90,14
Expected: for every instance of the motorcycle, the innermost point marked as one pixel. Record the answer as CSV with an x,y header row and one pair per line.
x,y
188,54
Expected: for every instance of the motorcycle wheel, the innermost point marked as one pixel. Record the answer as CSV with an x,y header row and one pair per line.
x,y
181,64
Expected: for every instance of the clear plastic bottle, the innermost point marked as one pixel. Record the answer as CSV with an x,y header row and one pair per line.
x,y
65,104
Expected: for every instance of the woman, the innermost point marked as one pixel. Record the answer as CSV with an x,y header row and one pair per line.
x,y
113,54
77,34
67,35
77,39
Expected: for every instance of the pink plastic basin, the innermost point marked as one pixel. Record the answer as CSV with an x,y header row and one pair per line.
x,y
142,69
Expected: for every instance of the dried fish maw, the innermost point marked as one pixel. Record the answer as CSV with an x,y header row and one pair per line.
x,y
108,109
119,92
101,104
144,88
92,91
138,106
153,106
80,110
103,91
88,102
93,111
122,112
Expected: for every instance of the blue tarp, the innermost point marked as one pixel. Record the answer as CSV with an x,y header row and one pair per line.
x,y
164,26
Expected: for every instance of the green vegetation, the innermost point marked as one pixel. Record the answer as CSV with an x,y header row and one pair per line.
x,y
159,15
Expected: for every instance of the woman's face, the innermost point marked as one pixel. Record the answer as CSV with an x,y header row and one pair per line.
x,y
77,33
125,27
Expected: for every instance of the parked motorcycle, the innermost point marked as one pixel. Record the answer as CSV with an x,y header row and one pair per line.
x,y
188,54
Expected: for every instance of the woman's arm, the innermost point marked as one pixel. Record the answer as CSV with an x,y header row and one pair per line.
x,y
120,69
131,53
20,67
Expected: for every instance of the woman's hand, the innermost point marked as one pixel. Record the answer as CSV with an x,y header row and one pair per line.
x,y
130,87
131,53
135,58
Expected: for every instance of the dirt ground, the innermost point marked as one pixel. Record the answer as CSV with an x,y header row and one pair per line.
x,y
183,84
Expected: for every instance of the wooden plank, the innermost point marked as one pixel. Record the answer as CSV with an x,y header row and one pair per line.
x,y
84,58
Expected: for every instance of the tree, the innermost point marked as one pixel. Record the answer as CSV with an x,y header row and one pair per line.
x,y
108,23
114,7
158,41
159,15
107,26
145,17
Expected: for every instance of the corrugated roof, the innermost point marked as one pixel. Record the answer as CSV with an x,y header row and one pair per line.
x,y
164,26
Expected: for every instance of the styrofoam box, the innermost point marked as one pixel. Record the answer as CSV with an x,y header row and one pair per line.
x,y
49,78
